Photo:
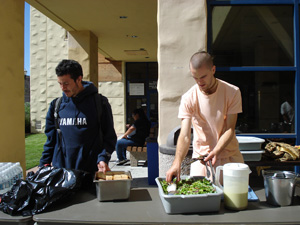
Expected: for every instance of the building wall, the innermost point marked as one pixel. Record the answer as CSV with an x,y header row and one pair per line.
x,y
117,101
111,77
48,46
12,132
182,31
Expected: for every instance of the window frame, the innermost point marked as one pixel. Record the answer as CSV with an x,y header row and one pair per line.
x,y
295,68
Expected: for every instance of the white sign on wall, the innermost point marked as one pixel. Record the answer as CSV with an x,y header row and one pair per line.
x,y
136,89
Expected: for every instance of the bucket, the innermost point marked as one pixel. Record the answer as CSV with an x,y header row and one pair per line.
x,y
279,186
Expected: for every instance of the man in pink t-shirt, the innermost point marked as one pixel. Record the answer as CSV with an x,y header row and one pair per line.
x,y
211,106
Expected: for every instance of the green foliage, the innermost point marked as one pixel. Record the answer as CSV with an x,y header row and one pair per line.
x,y
34,147
27,117
190,186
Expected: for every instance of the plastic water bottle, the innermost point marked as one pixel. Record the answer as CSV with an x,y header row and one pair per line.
x,y
1,183
14,174
6,178
19,171
9,174
3,177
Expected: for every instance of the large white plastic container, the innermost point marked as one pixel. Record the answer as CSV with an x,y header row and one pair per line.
x,y
249,143
235,184
174,204
252,155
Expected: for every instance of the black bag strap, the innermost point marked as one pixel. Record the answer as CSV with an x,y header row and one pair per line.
x,y
98,101
56,116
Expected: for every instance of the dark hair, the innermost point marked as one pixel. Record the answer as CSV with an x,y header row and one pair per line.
x,y
68,66
201,58
140,112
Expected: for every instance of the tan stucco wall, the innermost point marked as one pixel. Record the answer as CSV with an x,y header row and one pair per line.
x,y
12,132
83,47
181,32
48,46
116,99
111,77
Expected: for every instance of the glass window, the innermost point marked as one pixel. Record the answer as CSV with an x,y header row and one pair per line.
x,y
268,101
253,35
154,107
153,71
142,89
135,103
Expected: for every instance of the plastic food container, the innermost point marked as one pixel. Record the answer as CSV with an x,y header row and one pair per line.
x,y
252,155
249,143
110,190
174,204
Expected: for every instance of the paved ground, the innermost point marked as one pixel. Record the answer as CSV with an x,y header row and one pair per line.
x,y
139,173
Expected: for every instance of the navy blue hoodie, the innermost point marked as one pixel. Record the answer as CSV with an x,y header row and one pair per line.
x,y
80,148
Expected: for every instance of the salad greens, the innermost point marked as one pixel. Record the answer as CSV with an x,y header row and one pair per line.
x,y
190,186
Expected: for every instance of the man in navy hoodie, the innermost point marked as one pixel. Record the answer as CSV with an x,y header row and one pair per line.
x,y
80,146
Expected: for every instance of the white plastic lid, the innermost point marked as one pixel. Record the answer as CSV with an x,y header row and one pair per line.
x,y
249,140
236,169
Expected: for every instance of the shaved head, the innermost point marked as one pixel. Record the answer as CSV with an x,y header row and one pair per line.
x,y
201,58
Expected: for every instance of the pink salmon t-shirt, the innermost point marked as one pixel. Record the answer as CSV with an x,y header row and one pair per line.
x,y
208,114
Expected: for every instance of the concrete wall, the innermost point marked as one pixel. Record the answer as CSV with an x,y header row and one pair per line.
x,y
48,46
12,132
182,31
83,47
116,99
112,77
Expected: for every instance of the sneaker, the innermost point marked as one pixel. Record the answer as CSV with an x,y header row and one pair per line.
x,y
122,162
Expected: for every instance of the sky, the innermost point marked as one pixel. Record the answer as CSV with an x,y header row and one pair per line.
x,y
27,38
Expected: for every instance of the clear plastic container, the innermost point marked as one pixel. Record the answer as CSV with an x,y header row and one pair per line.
x,y
235,185
9,174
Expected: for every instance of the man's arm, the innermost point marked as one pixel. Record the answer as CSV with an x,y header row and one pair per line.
x,y
109,134
182,148
224,139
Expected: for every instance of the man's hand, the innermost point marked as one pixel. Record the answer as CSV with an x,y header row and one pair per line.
x,y
174,171
182,148
103,167
211,156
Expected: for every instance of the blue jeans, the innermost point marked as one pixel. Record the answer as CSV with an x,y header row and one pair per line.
x,y
121,147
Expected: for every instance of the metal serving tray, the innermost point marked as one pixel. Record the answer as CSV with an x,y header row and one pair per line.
x,y
110,190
